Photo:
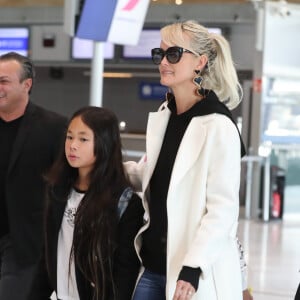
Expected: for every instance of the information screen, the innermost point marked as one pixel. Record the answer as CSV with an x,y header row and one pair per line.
x,y
149,38
84,49
14,39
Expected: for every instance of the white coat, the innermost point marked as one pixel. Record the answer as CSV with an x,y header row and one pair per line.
x,y
202,202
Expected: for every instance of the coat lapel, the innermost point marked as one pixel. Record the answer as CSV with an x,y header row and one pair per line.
x,y
189,149
157,122
22,134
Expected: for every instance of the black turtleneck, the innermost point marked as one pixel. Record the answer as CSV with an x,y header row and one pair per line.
x,y
8,133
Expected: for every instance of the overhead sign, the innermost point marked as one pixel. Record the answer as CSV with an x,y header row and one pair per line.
x,y
115,21
95,19
128,21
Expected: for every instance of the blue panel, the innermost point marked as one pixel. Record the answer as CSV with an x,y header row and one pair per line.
x,y
152,91
14,44
95,19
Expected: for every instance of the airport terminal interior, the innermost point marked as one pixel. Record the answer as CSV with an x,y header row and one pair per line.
x,y
265,42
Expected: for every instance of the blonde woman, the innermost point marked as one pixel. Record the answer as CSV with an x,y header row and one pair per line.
x,y
190,174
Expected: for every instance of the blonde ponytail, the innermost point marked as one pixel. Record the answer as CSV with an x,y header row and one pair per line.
x,y
221,73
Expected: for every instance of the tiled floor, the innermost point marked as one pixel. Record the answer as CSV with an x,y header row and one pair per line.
x,y
273,256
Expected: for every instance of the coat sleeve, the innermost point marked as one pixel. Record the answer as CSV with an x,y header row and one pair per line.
x,y
217,228
134,171
41,288
127,264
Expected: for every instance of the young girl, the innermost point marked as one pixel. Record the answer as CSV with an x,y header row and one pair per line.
x,y
89,230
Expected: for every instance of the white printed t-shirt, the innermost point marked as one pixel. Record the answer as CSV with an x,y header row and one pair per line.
x,y
66,282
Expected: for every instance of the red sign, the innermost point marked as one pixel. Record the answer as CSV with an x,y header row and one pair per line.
x,y
257,83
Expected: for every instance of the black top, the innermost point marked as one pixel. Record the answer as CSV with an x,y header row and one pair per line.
x,y
154,238
8,133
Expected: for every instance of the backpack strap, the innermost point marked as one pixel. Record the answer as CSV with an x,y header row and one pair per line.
x,y
124,200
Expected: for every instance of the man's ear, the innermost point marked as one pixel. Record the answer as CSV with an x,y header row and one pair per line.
x,y
27,84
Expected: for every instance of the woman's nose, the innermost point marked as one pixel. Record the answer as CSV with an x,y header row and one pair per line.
x,y
164,60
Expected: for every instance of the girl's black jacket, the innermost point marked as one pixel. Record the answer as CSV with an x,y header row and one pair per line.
x,y
126,262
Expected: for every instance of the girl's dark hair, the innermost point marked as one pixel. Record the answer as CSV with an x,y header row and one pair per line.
x,y
96,217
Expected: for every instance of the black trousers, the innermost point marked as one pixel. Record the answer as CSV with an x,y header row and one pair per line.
x,y
15,281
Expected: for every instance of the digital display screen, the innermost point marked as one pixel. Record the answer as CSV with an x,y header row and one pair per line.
x,y
150,38
14,39
84,49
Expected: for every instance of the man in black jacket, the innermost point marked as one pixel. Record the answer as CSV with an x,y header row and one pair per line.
x,y
30,137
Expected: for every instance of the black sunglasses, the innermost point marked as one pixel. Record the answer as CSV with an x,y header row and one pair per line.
x,y
173,54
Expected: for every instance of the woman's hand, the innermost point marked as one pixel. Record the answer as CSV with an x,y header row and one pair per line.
x,y
247,295
184,291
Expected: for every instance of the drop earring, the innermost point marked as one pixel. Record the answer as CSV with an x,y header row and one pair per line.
x,y
198,80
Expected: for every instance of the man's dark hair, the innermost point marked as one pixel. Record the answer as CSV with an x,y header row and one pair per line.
x,y
28,70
